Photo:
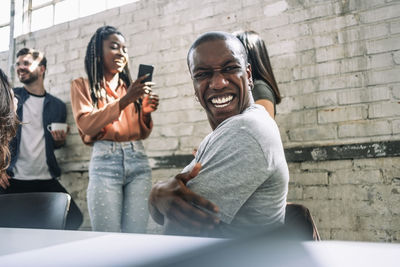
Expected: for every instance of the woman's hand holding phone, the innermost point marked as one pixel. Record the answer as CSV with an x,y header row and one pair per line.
x,y
141,89
135,91
150,103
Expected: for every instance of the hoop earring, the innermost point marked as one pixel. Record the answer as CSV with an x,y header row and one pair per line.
x,y
251,84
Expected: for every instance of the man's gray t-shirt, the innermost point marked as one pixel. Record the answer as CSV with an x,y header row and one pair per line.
x,y
244,172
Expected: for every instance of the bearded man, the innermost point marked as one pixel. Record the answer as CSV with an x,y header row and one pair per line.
x,y
33,166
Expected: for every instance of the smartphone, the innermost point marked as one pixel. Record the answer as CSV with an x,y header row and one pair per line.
x,y
144,69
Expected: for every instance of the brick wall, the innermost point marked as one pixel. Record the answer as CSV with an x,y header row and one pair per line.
x,y
337,64
350,199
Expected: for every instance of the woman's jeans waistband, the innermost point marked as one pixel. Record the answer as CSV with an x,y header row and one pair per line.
x,y
112,146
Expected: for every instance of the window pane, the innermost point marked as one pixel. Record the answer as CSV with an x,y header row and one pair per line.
x,y
66,11
42,18
5,12
90,7
116,3
36,3
4,38
18,18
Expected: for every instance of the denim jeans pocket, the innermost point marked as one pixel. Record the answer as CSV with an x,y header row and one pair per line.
x,y
105,162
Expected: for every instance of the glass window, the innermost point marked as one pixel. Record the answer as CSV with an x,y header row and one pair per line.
x,y
4,37
116,3
46,13
18,18
5,12
42,18
36,3
91,7
66,10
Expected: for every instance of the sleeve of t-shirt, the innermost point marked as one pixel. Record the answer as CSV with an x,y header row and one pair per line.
x,y
262,91
233,167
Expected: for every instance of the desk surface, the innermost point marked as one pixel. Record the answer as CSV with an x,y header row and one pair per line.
x,y
346,253
36,247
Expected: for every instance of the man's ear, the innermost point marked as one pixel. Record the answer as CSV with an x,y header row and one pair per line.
x,y
249,76
42,69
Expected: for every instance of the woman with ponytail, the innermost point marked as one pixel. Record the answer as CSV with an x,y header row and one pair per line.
x,y
264,88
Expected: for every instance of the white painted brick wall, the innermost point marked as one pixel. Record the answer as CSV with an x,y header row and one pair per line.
x,y
364,128
380,110
371,94
396,91
396,126
342,114
358,177
357,203
344,81
379,14
394,27
330,53
327,99
328,132
396,57
383,45
379,61
313,178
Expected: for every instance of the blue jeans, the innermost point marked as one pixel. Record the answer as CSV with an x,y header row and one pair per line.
x,y
119,186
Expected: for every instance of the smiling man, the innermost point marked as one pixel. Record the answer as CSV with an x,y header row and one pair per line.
x,y
238,181
33,166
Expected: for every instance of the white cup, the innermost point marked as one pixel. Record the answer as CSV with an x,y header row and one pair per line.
x,y
57,126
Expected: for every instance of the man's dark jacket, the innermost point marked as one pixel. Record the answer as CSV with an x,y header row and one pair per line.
x,y
54,110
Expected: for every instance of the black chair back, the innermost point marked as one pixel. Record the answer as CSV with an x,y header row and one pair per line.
x,y
298,217
45,210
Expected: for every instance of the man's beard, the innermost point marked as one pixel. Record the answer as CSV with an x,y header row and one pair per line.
x,y
30,79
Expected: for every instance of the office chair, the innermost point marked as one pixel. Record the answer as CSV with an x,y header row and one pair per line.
x,y
298,218
46,210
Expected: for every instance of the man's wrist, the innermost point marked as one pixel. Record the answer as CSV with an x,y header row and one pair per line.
x,y
157,216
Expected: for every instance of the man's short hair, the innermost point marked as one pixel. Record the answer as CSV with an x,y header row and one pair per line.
x,y
35,54
215,36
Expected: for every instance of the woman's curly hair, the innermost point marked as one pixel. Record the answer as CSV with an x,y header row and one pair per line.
x,y
8,120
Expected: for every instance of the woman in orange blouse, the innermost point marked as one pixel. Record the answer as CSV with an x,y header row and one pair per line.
x,y
114,114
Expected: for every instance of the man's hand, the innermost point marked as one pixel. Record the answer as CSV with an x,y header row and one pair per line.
x,y
4,180
175,201
59,137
